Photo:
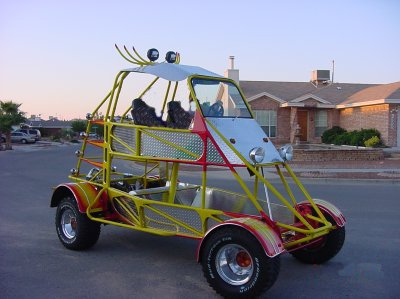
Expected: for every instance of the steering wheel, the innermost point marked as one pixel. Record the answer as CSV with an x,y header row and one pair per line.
x,y
216,109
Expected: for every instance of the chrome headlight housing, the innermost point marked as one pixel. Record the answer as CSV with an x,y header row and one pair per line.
x,y
286,152
257,155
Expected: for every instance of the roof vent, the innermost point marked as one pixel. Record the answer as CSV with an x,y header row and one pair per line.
x,y
320,76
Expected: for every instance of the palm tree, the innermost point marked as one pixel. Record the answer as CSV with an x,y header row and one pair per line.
x,y
9,116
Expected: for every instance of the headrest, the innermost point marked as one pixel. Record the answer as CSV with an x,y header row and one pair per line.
x,y
174,105
136,103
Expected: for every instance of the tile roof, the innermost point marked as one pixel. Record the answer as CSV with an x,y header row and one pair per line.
x,y
53,123
336,93
284,90
373,93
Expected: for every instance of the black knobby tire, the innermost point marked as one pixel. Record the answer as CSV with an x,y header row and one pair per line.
x,y
74,229
321,252
264,271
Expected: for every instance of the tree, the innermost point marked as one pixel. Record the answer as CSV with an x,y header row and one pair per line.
x,y
10,116
79,126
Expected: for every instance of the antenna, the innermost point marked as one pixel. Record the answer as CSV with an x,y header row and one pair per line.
x,y
333,70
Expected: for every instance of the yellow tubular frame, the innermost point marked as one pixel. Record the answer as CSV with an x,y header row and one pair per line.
x,y
310,230
139,220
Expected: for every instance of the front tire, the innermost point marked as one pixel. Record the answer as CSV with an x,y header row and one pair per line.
x,y
327,248
74,229
236,266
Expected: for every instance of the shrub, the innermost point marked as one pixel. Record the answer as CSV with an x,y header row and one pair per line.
x,y
374,141
356,138
369,133
339,136
329,135
344,138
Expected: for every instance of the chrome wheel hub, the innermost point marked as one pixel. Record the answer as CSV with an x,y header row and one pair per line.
x,y
69,224
234,264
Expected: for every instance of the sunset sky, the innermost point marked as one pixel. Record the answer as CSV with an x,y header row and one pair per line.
x,y
58,57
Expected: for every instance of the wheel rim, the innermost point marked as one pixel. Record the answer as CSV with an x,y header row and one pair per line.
x,y
234,264
68,224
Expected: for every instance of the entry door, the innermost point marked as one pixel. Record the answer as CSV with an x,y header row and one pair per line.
x,y
302,119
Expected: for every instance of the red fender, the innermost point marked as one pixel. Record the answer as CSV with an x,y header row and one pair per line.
x,y
268,238
83,193
328,208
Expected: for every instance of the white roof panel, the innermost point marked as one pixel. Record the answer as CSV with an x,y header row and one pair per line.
x,y
172,71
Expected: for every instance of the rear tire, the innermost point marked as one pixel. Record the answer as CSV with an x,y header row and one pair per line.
x,y
74,229
236,266
330,245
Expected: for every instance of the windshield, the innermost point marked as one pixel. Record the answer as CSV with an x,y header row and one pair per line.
x,y
219,99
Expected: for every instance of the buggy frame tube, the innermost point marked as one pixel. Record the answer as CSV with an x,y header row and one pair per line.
x,y
285,184
174,180
125,74
268,184
112,93
306,194
88,128
204,184
175,88
165,98
141,95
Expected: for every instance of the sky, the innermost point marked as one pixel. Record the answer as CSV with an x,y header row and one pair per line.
x,y
57,58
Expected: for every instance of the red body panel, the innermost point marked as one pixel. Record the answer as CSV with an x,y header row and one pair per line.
x,y
268,238
84,194
328,208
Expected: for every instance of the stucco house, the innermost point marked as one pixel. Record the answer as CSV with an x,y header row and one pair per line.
x,y
319,104
50,127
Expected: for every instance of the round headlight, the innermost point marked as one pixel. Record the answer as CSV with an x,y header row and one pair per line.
x,y
286,152
170,57
257,154
73,171
78,153
89,116
152,54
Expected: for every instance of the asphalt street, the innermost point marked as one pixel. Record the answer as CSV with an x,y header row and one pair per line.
x,y
129,264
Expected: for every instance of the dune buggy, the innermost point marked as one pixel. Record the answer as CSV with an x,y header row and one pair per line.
x,y
132,178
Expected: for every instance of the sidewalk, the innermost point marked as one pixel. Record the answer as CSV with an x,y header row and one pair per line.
x,y
388,169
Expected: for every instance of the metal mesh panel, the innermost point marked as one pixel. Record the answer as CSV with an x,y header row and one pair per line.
x,y
152,147
128,203
127,135
228,152
213,156
155,220
211,223
187,216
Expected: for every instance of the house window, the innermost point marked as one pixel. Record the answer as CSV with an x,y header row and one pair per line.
x,y
321,122
267,121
